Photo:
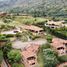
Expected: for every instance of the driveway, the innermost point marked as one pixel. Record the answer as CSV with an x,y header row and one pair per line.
x,y
20,45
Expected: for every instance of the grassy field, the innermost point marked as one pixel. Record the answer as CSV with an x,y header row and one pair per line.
x,y
24,19
19,20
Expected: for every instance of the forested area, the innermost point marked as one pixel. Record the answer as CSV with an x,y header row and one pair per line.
x,y
53,8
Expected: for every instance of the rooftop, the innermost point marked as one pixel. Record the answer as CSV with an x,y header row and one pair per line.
x,y
55,22
30,51
31,27
56,40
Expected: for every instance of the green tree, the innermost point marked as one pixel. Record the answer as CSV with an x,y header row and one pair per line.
x,y
14,56
49,57
49,38
6,48
2,37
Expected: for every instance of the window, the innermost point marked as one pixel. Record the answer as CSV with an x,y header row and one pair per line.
x,y
66,44
30,58
15,31
41,31
60,48
32,63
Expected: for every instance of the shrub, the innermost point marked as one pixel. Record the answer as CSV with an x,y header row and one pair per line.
x,y
50,59
1,56
6,48
45,46
49,38
17,65
14,56
63,58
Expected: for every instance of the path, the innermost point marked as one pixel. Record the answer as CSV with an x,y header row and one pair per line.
x,y
19,44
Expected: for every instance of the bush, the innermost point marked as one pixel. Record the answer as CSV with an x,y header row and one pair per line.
x,y
9,35
6,48
3,37
45,46
17,65
63,58
1,56
49,38
14,56
50,59
47,57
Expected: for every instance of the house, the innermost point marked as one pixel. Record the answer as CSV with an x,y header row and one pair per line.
x,y
29,55
14,31
32,28
63,65
60,46
54,24
2,14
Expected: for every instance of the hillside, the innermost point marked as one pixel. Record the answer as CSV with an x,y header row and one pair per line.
x,y
45,7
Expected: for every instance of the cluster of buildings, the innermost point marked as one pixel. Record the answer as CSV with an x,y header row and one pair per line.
x,y
29,53
29,56
31,28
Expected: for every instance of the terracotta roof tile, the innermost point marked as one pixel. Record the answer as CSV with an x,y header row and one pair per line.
x,y
30,51
31,27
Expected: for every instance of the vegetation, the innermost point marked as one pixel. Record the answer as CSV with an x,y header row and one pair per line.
x,y
37,12
58,32
17,65
47,57
6,48
29,20
63,58
49,38
1,56
40,54
14,56
50,59
42,8
5,27
2,37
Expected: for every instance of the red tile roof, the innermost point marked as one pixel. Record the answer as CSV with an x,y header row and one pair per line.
x,y
30,51
31,27
59,40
